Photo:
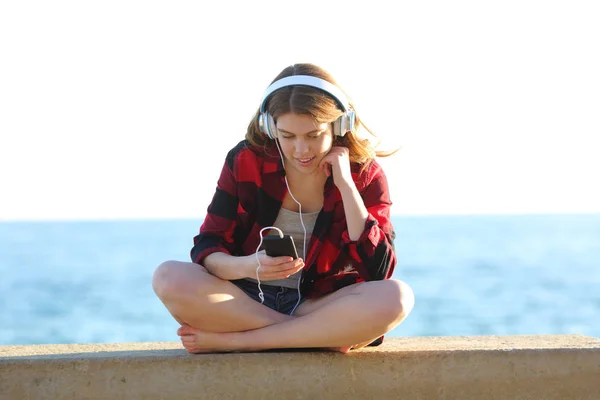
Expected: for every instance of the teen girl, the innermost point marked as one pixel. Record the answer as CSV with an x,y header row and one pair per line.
x,y
301,171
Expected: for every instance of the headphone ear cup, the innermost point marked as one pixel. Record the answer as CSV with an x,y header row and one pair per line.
x,y
351,119
344,123
337,129
262,127
271,127
266,125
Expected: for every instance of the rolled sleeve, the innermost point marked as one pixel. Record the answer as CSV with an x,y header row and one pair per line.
x,y
370,234
205,246
217,230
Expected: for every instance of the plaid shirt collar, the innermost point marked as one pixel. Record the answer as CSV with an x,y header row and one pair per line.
x,y
273,177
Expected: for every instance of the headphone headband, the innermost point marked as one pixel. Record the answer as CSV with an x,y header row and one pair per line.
x,y
306,80
344,123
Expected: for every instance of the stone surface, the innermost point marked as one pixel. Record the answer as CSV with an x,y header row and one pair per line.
x,y
476,367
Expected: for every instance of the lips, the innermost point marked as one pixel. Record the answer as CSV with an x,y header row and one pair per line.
x,y
305,161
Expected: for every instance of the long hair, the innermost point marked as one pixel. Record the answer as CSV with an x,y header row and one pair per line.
x,y
321,106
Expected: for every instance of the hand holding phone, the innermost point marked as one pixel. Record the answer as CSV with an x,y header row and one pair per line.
x,y
275,262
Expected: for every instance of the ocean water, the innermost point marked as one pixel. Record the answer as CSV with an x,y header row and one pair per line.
x,y
89,282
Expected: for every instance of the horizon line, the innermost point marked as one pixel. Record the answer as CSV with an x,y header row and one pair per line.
x,y
394,215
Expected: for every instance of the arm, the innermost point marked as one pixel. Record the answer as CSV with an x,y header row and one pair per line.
x,y
373,250
217,231
369,237
215,246
355,210
337,162
229,267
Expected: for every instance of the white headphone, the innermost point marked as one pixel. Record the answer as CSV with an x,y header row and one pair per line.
x,y
343,124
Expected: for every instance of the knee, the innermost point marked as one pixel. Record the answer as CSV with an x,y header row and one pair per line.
x,y
169,279
162,280
397,301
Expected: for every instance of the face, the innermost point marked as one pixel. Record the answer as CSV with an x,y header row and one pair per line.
x,y
304,142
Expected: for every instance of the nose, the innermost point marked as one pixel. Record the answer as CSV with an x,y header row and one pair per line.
x,y
301,146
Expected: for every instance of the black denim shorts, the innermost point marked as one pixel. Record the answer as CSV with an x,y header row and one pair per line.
x,y
278,298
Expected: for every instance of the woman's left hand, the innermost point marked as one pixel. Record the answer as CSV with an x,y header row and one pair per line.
x,y
337,162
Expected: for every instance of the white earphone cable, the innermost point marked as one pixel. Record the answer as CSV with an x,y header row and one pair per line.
x,y
261,294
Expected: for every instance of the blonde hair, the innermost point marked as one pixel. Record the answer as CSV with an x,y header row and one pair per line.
x,y
321,106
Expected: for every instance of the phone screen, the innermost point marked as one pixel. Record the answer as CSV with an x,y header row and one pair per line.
x,y
276,246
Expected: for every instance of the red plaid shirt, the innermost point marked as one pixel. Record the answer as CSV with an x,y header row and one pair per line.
x,y
249,195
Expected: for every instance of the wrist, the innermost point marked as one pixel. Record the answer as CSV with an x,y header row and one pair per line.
x,y
228,267
248,267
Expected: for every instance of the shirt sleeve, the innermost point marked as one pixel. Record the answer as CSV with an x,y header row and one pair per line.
x,y
373,252
217,230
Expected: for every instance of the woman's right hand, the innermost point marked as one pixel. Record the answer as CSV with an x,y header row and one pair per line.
x,y
272,268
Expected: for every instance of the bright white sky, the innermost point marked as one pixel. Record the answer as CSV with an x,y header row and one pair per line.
x,y
125,109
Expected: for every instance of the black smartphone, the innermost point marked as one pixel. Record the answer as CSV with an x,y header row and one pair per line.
x,y
276,246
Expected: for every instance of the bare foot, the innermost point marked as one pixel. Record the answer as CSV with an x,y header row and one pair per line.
x,y
196,341
342,350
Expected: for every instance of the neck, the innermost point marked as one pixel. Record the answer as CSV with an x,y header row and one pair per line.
x,y
296,178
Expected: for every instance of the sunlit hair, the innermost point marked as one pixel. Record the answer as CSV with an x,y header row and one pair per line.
x,y
321,106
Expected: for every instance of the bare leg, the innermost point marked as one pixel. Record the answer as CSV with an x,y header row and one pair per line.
x,y
196,298
355,314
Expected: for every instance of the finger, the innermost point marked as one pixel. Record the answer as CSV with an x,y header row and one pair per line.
x,y
325,168
290,271
283,259
325,160
268,263
290,265
277,273
273,261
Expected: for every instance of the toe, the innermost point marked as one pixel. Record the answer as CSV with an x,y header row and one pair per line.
x,y
185,330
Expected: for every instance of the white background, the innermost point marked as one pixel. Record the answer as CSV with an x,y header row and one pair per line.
x,y
125,109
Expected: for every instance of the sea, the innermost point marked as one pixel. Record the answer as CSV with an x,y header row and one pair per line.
x,y
90,281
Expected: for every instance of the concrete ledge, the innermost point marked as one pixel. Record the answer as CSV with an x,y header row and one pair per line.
x,y
480,367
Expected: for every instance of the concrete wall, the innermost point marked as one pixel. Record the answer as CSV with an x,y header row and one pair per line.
x,y
485,367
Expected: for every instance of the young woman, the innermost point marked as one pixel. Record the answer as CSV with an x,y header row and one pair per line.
x,y
301,169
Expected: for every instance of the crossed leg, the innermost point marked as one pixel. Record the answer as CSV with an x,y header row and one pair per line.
x,y
217,316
